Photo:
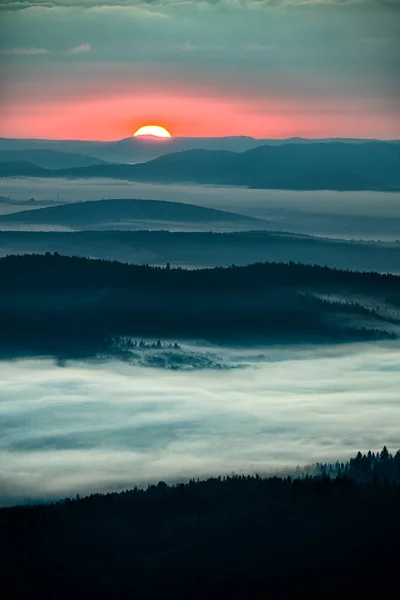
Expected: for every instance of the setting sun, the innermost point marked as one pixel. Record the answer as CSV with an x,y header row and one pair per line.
x,y
154,130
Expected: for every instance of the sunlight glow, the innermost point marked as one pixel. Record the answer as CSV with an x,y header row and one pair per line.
x,y
154,130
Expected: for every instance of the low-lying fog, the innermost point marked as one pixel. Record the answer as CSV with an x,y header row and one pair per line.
x,y
349,215
100,426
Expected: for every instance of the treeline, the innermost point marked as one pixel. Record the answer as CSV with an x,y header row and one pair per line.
x,y
130,344
201,249
56,271
380,467
224,537
54,304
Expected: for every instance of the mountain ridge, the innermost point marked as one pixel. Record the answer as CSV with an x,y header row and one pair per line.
x,y
206,249
334,166
114,213
49,159
136,149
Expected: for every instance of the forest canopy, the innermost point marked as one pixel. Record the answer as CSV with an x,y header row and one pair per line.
x,y
51,303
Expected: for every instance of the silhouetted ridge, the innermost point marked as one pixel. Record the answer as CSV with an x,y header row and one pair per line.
x,y
51,304
141,149
22,168
334,165
200,249
48,159
234,536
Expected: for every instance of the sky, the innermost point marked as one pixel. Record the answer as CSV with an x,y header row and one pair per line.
x,y
100,69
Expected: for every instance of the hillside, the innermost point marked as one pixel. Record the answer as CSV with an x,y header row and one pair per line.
x,y
21,168
48,159
334,166
338,166
200,249
130,214
52,304
131,150
233,536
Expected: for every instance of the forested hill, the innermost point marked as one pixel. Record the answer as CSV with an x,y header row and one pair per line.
x,y
56,271
201,249
50,303
230,537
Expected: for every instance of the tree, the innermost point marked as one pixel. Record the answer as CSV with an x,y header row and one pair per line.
x,y
384,456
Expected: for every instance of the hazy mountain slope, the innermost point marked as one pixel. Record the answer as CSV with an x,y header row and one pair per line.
x,y
21,168
335,166
49,159
205,249
131,214
132,150
373,165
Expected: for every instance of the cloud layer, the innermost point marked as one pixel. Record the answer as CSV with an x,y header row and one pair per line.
x,y
81,48
232,4
89,427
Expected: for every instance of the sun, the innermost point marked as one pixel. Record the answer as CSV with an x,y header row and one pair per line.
x,y
154,130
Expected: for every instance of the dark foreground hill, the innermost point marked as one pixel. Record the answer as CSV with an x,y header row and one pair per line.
x,y
131,214
232,537
52,304
201,249
333,166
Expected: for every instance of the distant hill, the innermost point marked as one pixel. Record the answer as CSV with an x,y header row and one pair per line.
x,y
131,214
132,150
48,159
373,165
333,166
206,249
21,168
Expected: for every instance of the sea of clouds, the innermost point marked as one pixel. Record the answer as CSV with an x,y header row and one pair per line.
x,y
98,426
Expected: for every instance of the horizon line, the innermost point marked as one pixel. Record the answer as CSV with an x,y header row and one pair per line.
x,y
113,141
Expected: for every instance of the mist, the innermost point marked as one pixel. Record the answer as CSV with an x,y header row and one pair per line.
x,y
348,215
87,426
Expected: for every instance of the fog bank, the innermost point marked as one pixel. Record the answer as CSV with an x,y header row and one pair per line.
x,y
349,215
96,427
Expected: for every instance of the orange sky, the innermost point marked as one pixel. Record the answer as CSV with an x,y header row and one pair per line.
x,y
112,118
71,69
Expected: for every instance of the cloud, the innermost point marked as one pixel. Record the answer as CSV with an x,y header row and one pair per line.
x,y
149,4
24,51
96,427
81,49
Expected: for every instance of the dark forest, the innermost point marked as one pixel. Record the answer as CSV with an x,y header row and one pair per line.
x,y
332,533
53,304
